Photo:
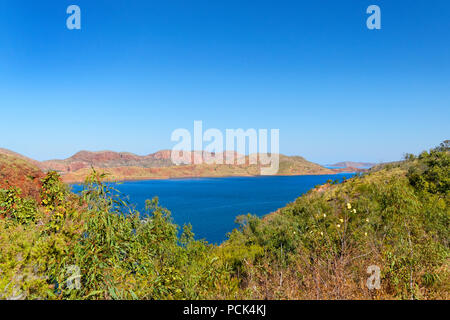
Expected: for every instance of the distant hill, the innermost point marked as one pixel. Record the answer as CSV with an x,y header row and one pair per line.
x,y
123,166
347,164
139,170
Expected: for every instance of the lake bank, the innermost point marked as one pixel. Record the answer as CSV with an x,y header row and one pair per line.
x,y
71,179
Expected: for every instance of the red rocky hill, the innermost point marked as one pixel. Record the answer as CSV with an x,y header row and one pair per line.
x,y
129,166
18,171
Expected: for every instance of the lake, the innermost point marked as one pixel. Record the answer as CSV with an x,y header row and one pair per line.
x,y
212,204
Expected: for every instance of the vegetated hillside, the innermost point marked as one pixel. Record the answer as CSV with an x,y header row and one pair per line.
x,y
346,164
287,166
395,220
404,164
291,165
17,155
17,171
319,247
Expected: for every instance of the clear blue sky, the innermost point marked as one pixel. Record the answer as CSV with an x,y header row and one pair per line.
x,y
140,69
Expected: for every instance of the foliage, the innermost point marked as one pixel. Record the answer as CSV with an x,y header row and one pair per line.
x,y
320,246
94,245
432,173
17,208
118,253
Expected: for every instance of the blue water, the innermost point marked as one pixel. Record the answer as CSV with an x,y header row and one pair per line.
x,y
212,204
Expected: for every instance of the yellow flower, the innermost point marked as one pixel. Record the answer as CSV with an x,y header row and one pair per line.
x,y
349,206
321,233
341,220
367,220
338,225
365,234
354,210
324,215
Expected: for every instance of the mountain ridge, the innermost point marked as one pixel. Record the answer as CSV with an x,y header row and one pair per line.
x,y
125,166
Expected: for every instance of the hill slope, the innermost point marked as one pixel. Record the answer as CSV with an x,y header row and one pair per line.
x,y
17,171
17,155
395,218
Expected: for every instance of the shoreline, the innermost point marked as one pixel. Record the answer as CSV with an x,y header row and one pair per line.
x,y
74,182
